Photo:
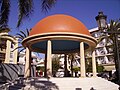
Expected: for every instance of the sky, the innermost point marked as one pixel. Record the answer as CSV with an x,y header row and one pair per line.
x,y
83,10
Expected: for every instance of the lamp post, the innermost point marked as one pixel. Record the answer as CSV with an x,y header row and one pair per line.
x,y
101,20
102,25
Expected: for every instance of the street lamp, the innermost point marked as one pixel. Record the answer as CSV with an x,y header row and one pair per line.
x,y
101,21
102,25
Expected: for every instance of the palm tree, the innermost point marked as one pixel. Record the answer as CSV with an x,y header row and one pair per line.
x,y
55,63
112,36
74,58
114,33
71,57
22,35
25,8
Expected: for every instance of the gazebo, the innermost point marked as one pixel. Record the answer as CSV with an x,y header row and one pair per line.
x,y
60,34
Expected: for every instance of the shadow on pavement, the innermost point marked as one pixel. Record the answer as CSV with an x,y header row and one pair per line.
x,y
33,84
44,85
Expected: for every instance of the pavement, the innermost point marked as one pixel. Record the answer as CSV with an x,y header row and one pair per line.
x,y
84,84
94,83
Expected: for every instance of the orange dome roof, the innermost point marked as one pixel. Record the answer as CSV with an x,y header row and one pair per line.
x,y
59,23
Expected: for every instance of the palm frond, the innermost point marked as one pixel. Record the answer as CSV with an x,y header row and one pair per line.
x,y
4,12
47,5
117,25
20,36
23,33
111,25
28,31
113,29
114,25
101,38
25,9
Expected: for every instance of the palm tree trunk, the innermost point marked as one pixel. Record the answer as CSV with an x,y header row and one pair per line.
x,y
45,65
116,57
65,65
72,65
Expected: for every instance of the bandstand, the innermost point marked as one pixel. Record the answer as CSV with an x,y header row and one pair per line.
x,y
60,34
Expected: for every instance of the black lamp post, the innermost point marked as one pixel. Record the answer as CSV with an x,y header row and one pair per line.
x,y
101,21
102,25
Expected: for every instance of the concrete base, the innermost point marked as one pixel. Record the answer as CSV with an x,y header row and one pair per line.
x,y
68,84
83,83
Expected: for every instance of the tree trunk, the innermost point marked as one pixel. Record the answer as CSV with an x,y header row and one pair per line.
x,y
65,65
45,65
76,74
72,65
117,57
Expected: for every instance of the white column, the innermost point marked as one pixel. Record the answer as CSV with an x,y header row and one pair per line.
x,y
93,64
7,55
49,56
82,60
15,53
27,63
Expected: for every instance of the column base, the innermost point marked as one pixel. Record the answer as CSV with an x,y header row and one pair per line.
x,y
94,76
82,77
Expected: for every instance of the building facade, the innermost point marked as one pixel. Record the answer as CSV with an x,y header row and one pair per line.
x,y
103,51
7,44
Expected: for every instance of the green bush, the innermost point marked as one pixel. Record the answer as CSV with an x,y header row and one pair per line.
x,y
76,69
40,68
100,69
